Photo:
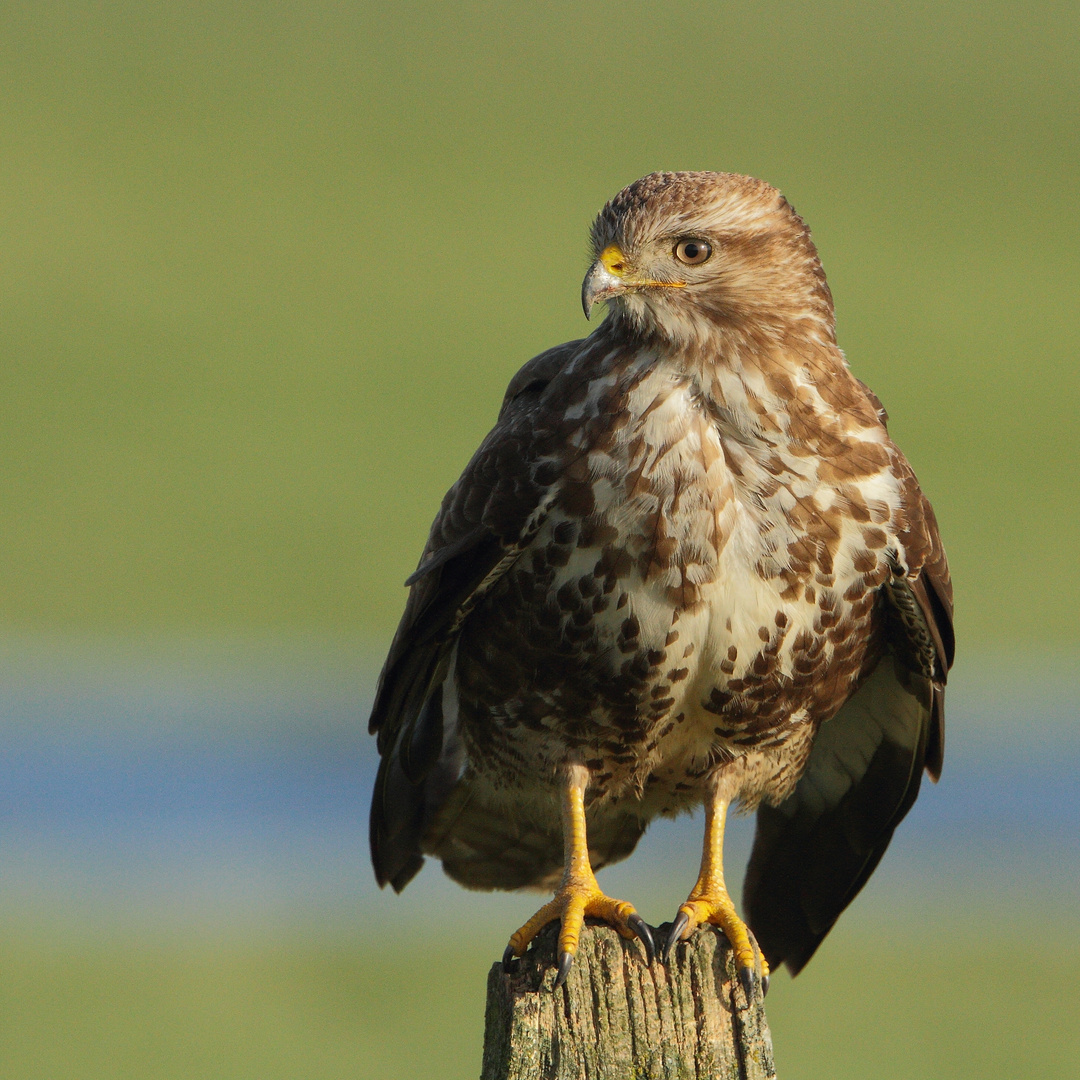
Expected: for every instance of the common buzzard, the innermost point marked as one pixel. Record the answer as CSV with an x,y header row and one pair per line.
x,y
688,565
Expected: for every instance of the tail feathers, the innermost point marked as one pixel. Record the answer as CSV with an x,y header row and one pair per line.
x,y
484,848
614,838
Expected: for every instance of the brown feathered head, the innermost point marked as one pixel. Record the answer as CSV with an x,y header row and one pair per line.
x,y
683,254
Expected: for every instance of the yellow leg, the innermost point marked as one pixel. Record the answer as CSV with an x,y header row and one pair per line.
x,y
709,902
579,895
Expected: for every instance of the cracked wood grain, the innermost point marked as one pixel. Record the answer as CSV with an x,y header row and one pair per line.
x,y
617,1018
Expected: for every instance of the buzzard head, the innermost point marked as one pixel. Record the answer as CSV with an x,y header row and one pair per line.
x,y
687,255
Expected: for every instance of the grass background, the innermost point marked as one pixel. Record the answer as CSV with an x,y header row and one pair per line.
x,y
264,273
269,1010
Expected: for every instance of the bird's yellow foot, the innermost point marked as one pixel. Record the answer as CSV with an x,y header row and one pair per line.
x,y
709,902
719,910
576,900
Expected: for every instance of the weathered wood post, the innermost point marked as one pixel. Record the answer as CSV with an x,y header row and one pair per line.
x,y
619,1018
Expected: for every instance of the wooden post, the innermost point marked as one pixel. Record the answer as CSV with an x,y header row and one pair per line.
x,y
618,1018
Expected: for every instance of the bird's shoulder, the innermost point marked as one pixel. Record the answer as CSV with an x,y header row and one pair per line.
x,y
484,522
536,375
503,483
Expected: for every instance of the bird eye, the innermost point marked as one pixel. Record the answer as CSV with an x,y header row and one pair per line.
x,y
693,252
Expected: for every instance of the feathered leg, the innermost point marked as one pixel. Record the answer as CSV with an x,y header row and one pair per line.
x,y
709,902
579,896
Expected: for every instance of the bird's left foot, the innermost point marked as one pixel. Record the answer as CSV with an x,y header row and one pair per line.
x,y
719,910
575,900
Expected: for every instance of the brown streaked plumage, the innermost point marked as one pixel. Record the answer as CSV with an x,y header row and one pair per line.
x,y
687,565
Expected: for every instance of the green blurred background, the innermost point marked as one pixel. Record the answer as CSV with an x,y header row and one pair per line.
x,y
265,271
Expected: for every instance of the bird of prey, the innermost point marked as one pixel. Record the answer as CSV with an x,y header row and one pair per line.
x,y
687,566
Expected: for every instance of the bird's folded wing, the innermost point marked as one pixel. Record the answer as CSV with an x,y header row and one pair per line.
x,y
814,852
486,520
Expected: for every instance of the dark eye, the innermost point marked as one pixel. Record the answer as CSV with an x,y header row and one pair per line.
x,y
692,252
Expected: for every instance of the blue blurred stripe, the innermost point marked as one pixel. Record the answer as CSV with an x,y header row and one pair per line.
x,y
155,790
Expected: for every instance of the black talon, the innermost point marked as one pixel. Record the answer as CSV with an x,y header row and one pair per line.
x,y
682,920
764,985
565,960
508,958
748,977
641,928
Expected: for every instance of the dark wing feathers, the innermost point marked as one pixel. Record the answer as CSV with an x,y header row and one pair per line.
x,y
933,591
407,715
484,520
814,852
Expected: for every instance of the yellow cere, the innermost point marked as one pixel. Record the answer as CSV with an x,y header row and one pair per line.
x,y
614,260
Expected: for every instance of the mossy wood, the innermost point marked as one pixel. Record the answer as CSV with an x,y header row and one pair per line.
x,y
619,1018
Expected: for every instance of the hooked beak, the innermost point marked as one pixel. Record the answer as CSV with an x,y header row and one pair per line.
x,y
599,284
606,278
610,275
